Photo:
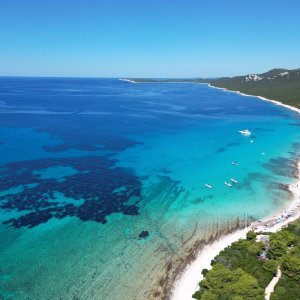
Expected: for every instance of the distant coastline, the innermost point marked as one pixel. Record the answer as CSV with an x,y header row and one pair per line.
x,y
276,102
282,85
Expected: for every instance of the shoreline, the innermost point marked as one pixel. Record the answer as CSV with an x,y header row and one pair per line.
x,y
187,282
276,102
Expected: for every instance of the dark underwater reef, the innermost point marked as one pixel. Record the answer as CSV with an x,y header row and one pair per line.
x,y
97,190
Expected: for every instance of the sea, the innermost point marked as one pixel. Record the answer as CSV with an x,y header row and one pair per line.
x,y
102,181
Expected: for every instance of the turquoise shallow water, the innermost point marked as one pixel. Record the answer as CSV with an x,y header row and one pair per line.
x,y
102,190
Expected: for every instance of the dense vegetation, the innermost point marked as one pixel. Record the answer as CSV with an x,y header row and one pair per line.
x,y
224,283
240,272
278,84
272,85
288,286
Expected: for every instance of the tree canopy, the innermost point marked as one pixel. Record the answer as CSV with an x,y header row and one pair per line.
x,y
222,282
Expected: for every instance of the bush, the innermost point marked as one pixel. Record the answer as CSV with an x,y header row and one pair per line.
x,y
222,283
207,295
291,267
197,295
251,235
286,236
255,248
278,247
271,266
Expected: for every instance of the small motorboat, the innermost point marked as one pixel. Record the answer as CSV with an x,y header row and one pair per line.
x,y
234,163
251,141
228,184
245,132
233,180
208,186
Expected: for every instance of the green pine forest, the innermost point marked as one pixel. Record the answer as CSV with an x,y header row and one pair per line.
x,y
240,273
281,88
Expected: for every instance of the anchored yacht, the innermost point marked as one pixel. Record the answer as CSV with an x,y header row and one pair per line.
x,y
208,186
245,132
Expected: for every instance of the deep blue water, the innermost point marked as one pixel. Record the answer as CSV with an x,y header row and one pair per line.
x,y
98,175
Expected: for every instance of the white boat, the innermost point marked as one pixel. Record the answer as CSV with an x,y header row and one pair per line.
x,y
227,183
233,180
208,186
234,163
245,132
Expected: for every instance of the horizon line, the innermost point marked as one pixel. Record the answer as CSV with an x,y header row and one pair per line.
x,y
132,77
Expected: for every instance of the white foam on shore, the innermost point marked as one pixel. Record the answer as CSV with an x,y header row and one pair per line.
x,y
259,97
187,284
127,80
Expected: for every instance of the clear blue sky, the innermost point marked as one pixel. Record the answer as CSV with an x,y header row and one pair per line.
x,y
148,38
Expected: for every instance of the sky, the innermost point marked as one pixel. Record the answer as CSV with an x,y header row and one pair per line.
x,y
147,38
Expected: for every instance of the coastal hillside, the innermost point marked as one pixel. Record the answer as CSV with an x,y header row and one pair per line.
x,y
276,84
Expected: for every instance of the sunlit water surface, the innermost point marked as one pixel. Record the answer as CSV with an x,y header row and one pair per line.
x,y
102,181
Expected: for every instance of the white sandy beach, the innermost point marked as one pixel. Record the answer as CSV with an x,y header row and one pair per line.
x,y
259,97
187,283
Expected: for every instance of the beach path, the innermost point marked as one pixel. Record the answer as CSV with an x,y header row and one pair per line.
x,y
270,288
